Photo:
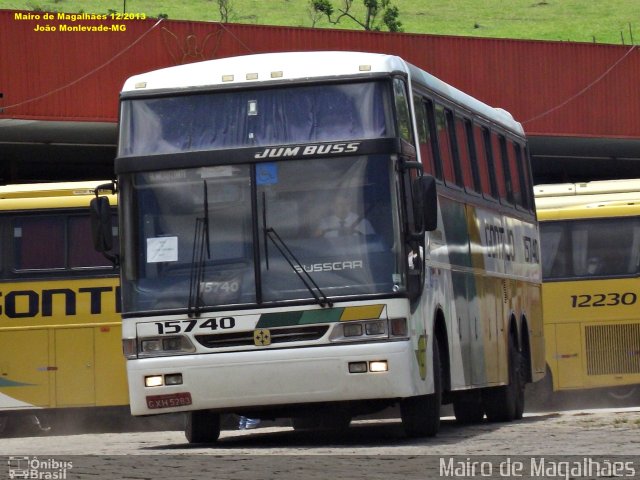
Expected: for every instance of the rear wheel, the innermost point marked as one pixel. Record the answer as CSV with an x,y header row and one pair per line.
x,y
202,426
506,403
469,408
421,415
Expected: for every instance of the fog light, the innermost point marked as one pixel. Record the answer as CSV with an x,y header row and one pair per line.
x,y
352,329
358,367
378,366
173,379
153,381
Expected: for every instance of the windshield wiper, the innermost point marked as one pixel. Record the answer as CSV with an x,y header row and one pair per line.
x,y
201,246
271,234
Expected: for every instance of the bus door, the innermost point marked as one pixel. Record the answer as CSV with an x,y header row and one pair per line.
x,y
75,378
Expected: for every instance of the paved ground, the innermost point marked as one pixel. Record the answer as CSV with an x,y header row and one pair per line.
x,y
370,449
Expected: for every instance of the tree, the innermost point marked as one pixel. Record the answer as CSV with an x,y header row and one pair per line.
x,y
225,8
377,14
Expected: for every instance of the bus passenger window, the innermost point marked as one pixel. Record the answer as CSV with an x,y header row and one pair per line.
x,y
425,140
480,149
444,142
39,243
81,251
463,154
515,174
497,162
402,110
523,175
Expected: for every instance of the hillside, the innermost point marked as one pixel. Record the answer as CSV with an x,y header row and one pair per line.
x,y
602,21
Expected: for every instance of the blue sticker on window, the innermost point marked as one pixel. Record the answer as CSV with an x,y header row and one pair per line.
x,y
266,174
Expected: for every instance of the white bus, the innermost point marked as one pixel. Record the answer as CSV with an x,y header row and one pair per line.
x,y
320,235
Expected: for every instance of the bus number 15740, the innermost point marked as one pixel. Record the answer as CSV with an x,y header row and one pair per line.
x,y
177,326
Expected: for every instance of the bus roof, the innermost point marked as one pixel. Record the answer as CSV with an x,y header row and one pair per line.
x,y
602,198
285,67
40,195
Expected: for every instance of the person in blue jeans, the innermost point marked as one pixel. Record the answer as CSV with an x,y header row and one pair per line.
x,y
248,423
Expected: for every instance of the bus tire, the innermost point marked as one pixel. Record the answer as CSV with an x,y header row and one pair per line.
x,y
421,415
469,409
202,426
506,403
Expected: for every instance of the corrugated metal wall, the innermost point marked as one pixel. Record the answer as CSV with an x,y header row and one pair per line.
x,y
554,88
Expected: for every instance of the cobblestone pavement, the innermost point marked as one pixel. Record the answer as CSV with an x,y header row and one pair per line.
x,y
369,449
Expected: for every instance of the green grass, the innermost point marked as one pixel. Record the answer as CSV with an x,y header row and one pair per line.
x,y
602,21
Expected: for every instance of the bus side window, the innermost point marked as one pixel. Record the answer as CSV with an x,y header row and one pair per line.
x,y
425,136
515,170
80,250
497,164
39,243
523,174
467,167
402,110
510,180
444,144
479,151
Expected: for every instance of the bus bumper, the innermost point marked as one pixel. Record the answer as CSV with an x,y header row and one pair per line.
x,y
230,381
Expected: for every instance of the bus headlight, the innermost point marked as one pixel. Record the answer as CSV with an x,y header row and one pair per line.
x,y
157,346
352,329
130,348
366,330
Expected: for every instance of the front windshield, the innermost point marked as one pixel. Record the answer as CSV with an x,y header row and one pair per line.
x,y
254,118
335,219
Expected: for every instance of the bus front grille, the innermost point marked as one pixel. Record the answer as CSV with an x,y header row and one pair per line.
x,y
278,335
612,349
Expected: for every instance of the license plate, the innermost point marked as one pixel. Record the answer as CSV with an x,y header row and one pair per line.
x,y
170,400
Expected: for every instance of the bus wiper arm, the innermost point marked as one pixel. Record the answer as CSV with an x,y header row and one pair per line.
x,y
297,267
201,246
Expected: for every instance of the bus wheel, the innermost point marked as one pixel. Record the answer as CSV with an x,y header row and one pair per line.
x,y
202,426
506,403
421,415
469,408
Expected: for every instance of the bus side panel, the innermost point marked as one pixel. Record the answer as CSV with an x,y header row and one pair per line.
x,y
24,372
536,332
111,381
596,333
568,355
60,345
75,367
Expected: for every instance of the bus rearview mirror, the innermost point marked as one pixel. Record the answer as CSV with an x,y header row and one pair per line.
x,y
426,202
102,233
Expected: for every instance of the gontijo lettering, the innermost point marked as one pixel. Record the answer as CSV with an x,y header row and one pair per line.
x,y
31,303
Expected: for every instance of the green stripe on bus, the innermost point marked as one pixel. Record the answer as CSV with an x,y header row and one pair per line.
x,y
285,319
10,383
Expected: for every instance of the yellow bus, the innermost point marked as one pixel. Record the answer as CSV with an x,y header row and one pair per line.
x,y
590,234
60,329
